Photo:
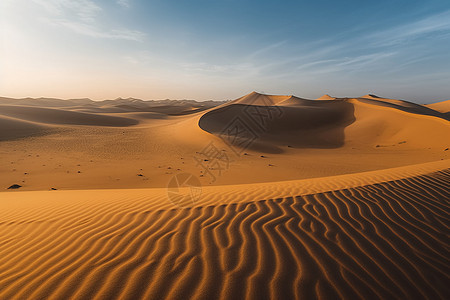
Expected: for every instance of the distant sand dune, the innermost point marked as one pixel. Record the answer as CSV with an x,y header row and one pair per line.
x,y
326,97
386,240
443,107
119,105
58,116
404,106
14,129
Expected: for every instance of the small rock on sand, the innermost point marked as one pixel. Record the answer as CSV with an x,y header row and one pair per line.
x,y
14,186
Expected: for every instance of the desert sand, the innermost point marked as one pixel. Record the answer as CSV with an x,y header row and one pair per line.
x,y
334,198
443,106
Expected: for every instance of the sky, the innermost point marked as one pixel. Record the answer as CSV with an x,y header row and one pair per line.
x,y
223,49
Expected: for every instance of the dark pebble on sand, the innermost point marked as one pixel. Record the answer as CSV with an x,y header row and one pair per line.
x,y
14,186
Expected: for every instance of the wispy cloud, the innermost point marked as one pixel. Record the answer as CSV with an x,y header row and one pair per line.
x,y
81,16
364,60
390,50
83,10
93,31
435,24
124,3
206,68
266,49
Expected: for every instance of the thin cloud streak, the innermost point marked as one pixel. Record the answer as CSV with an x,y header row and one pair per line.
x,y
438,23
84,10
374,50
96,32
80,16
124,3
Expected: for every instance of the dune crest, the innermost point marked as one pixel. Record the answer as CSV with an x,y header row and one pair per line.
x,y
255,98
326,97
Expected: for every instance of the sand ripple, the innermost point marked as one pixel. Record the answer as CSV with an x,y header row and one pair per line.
x,y
381,241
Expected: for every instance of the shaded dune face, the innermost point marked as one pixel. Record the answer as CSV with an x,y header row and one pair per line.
x,y
57,116
11,129
298,123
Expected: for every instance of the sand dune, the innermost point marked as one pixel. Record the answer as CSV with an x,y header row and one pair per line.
x,y
294,121
443,106
255,98
58,116
330,122
384,240
45,102
403,105
326,97
118,105
289,138
14,129
382,125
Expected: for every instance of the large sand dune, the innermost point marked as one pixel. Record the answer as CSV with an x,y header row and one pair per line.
x,y
293,121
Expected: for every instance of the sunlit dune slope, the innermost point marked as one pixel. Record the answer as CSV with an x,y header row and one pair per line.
x,y
443,107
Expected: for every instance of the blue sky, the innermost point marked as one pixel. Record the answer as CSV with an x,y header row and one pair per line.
x,y
222,49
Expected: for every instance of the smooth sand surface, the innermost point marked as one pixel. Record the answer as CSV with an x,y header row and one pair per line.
x,y
342,198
